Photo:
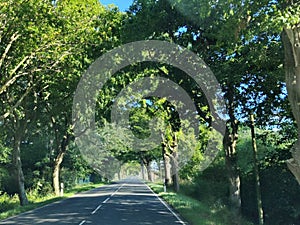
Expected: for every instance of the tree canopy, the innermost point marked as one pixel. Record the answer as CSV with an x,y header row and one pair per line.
x,y
252,48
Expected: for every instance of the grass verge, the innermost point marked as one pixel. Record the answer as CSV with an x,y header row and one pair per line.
x,y
194,211
9,206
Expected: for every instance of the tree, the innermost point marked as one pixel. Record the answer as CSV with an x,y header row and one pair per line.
x,y
47,45
256,172
291,42
205,40
5,152
28,50
139,124
227,36
91,30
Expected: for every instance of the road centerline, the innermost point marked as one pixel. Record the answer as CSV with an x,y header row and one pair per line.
x,y
126,202
117,190
106,200
98,207
82,222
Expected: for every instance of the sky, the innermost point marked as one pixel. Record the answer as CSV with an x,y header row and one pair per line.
x,y
122,4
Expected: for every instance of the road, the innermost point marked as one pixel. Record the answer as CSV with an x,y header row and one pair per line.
x,y
128,202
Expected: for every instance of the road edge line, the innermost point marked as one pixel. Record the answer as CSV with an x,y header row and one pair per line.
x,y
167,206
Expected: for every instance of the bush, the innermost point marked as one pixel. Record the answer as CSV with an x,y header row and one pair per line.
x,y
279,190
8,202
68,177
9,185
211,185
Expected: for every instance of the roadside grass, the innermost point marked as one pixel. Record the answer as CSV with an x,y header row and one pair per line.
x,y
193,211
9,205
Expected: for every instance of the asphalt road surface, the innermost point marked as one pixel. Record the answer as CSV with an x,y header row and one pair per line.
x,y
129,202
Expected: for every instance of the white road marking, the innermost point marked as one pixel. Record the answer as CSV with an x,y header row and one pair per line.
x,y
165,204
99,206
106,200
117,190
82,222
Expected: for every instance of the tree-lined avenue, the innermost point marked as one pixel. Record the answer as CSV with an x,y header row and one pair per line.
x,y
129,201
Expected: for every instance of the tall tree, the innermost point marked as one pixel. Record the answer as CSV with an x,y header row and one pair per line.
x,y
28,52
291,42
45,46
203,38
236,40
90,31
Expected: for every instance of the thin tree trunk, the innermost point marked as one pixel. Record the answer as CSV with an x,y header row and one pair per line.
x,y
119,175
256,173
142,169
291,43
174,162
18,168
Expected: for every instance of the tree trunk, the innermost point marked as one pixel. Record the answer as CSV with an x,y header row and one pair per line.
x,y
62,148
167,166
119,175
174,162
149,171
56,171
175,176
18,167
230,140
229,144
143,169
256,173
291,43
170,154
